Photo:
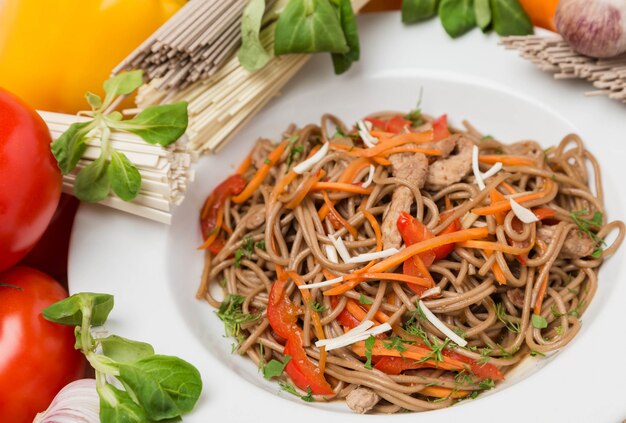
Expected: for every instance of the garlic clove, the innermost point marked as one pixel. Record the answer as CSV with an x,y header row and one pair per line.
x,y
594,28
77,402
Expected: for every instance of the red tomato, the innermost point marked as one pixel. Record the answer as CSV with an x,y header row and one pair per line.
x,y
38,356
376,123
445,250
440,128
396,365
414,231
397,124
345,317
50,253
30,180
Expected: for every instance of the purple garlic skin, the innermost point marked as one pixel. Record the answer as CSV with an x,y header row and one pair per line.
x,y
594,28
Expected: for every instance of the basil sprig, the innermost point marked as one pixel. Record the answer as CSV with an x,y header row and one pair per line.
x,y
156,387
112,170
506,17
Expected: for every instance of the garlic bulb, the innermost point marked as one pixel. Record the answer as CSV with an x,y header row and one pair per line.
x,y
77,402
595,28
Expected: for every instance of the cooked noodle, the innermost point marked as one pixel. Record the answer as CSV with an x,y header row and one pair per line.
x,y
490,287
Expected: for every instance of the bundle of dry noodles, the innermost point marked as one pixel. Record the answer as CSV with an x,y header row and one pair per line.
x,y
402,265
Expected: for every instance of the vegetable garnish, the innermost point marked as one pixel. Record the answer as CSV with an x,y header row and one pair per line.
x,y
441,326
156,387
522,213
231,314
112,170
586,225
361,332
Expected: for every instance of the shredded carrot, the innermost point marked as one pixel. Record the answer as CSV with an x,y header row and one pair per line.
x,y
414,352
423,270
354,279
544,282
506,160
347,176
260,175
340,186
448,203
429,244
379,315
497,271
245,164
302,193
339,217
438,392
356,310
381,134
409,149
315,317
495,198
391,298
383,145
381,161
374,223
502,206
494,246
282,184
218,225
508,187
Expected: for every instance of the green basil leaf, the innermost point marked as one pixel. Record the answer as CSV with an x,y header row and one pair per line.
x,y
124,177
252,55
165,386
122,84
94,100
117,406
70,146
539,322
482,9
418,10
92,182
509,18
309,26
125,350
457,16
157,124
275,368
69,311
343,61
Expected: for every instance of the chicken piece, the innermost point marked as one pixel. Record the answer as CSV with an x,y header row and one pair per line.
x,y
412,168
256,217
516,296
260,151
445,145
577,243
445,172
361,400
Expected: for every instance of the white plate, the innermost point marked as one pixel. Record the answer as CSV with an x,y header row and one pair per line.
x,y
153,270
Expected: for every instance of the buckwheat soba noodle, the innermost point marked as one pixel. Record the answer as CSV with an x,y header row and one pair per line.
x,y
401,264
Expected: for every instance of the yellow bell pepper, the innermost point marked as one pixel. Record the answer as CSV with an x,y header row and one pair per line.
x,y
52,51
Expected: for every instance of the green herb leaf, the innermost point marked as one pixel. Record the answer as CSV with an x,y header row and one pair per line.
x,y
501,314
364,300
125,350
395,343
482,9
122,84
534,353
252,55
232,315
457,16
309,26
309,395
587,225
94,100
509,18
290,389
164,386
343,61
369,344
162,124
69,311
539,322
318,307
117,406
418,10
275,368
124,177
92,182
487,384
70,146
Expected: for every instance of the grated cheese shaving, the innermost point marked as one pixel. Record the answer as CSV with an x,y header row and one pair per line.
x,y
370,177
522,213
331,253
364,133
351,336
307,164
441,326
341,247
365,257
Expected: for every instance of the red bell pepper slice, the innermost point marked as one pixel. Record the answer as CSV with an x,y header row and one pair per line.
x,y
445,250
414,231
283,318
396,365
481,370
376,123
397,124
346,318
233,185
440,128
